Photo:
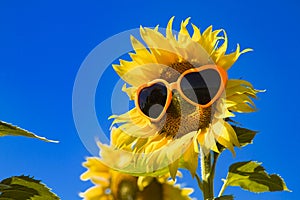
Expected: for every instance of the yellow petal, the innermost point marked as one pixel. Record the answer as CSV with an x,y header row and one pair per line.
x,y
237,82
198,140
240,89
220,52
183,33
226,144
239,99
232,134
173,167
225,134
144,181
228,60
130,91
190,158
196,34
196,54
94,193
142,52
209,39
169,30
242,108
207,141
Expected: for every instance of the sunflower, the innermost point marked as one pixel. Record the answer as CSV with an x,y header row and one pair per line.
x,y
113,185
186,130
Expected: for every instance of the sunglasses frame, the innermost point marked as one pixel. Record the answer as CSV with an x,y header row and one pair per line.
x,y
176,85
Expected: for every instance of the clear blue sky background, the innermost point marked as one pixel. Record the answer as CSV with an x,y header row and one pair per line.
x,y
43,43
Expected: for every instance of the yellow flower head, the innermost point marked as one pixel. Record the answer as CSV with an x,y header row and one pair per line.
x,y
185,129
113,185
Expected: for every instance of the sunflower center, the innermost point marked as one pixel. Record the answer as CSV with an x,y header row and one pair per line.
x,y
127,190
172,72
152,191
181,116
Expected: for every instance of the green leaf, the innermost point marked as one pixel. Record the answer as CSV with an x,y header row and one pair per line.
x,y
3,186
245,136
23,188
252,176
7,129
225,197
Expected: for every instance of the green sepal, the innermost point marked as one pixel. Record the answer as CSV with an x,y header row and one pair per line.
x,y
7,129
252,176
25,187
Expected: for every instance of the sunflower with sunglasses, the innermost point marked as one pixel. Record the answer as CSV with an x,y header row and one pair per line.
x,y
183,101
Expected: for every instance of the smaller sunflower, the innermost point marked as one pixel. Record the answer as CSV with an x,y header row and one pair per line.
x,y
113,185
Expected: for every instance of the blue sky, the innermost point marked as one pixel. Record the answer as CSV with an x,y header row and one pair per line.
x,y
43,43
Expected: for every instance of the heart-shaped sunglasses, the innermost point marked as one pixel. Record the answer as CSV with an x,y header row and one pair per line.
x,y
198,86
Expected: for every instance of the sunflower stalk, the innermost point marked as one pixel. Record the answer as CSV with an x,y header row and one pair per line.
x,y
213,168
208,171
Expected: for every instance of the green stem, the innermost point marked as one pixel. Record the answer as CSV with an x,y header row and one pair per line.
x,y
223,188
213,168
208,173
